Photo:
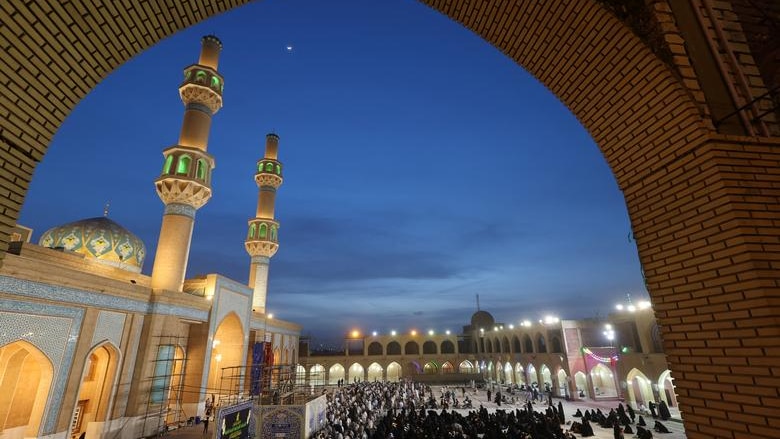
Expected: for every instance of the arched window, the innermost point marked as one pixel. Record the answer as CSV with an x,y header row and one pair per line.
x,y
215,82
263,231
429,347
278,169
200,77
375,348
269,167
556,345
273,233
168,164
412,348
528,345
541,344
393,348
516,345
183,166
447,347
252,230
201,170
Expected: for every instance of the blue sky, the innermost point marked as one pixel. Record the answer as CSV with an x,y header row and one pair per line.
x,y
422,167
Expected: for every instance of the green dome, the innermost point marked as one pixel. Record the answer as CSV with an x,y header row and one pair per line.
x,y
101,239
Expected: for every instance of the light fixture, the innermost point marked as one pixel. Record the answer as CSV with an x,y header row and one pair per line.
x,y
414,332
355,333
218,358
374,333
511,326
430,332
447,332
393,333
215,343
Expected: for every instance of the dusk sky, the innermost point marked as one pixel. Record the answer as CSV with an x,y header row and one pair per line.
x,y
422,167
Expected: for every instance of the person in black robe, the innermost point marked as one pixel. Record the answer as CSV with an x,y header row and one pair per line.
x,y
627,430
577,414
617,432
587,429
660,428
641,421
663,411
631,413
498,398
651,406
561,415
641,433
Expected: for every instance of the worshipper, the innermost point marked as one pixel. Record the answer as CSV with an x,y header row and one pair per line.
x,y
663,411
488,395
498,398
561,416
631,413
641,421
660,428
627,429
617,432
577,414
641,433
651,406
587,429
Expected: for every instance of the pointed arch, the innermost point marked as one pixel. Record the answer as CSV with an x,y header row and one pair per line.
x,y
200,170
429,347
356,373
603,382
488,346
555,345
335,373
317,375
581,381
375,372
300,375
509,374
394,372
466,366
546,375
227,349
26,376
516,346
533,378
640,389
666,388
431,368
541,344
562,383
447,368
447,347
183,164
168,164
520,374
505,345
528,345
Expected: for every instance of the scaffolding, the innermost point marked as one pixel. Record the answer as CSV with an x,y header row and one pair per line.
x,y
166,387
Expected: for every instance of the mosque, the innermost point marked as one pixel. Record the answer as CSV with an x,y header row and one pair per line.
x,y
90,346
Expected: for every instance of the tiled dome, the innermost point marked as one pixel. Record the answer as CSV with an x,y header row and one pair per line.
x,y
101,239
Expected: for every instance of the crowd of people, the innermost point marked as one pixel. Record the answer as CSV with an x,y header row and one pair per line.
x,y
381,410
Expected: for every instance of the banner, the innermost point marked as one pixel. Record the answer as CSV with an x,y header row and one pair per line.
x,y
236,421
256,369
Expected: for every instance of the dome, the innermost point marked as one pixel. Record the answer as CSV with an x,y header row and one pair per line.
x,y
100,239
482,319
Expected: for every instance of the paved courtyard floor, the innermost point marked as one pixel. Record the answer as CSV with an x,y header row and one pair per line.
x,y
479,397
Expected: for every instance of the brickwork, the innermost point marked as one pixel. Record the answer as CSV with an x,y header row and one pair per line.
x,y
704,206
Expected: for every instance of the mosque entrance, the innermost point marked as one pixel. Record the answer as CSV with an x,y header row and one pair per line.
x,y
23,400
95,391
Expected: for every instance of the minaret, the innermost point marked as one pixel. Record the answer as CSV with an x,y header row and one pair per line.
x,y
185,183
262,240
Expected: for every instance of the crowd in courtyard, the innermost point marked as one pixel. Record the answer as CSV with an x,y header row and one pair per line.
x,y
410,410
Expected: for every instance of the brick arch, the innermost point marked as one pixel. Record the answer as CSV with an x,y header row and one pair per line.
x,y
697,199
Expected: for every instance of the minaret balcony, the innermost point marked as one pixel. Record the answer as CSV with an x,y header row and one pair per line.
x,y
259,247
269,173
202,86
182,190
263,229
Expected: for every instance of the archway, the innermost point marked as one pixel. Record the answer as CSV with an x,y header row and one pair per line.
x,y
447,347
516,345
519,374
532,376
393,348
581,381
546,377
411,348
25,379
227,350
317,375
447,368
335,373
356,373
541,344
96,389
640,389
300,375
562,389
508,373
603,382
431,368
429,348
374,348
664,133
528,345
375,372
465,366
499,372
666,388
393,372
